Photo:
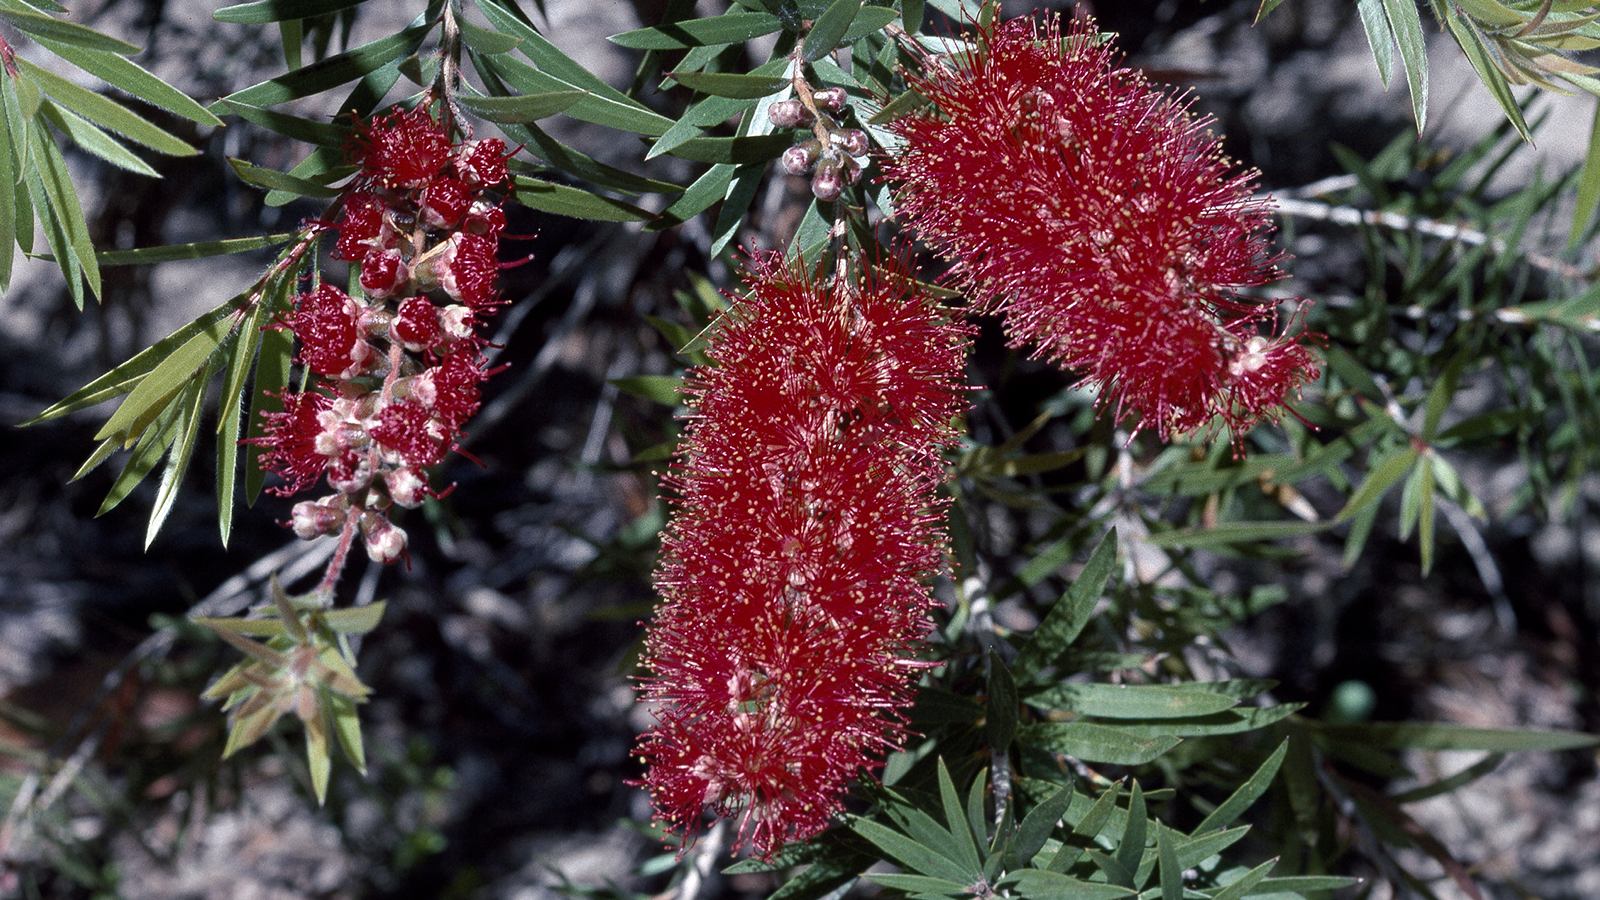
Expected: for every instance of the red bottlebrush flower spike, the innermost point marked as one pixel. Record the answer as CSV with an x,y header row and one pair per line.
x,y
1120,240
483,163
470,269
324,321
360,227
290,442
454,386
793,573
412,434
403,149
416,324
444,202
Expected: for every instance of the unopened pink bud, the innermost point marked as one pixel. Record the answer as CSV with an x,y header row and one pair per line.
x,y
456,320
797,160
828,182
788,113
406,487
832,98
386,542
313,518
853,141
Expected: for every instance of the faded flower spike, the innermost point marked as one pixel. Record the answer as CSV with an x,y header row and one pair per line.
x,y
1104,221
794,572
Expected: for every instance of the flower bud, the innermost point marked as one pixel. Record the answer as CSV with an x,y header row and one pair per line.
x,y
406,487
386,542
788,113
853,141
828,182
797,160
314,518
456,320
832,98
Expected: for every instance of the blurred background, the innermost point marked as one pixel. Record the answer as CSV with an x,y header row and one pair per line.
x,y
499,734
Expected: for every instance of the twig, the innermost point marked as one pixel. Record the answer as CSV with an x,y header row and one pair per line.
x,y
1319,211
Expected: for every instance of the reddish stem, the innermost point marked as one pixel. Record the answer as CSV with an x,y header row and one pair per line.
x,y
341,553
8,57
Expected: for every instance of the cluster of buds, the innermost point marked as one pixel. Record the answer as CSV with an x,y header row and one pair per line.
x,y
830,156
398,365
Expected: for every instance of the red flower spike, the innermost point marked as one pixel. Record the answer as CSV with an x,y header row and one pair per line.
x,y
793,573
454,386
325,322
290,442
403,149
416,325
1122,239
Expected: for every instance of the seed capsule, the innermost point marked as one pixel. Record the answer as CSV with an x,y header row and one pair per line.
x,y
788,113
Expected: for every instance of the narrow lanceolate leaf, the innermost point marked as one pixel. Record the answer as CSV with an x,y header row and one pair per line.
x,y
9,183
62,197
575,202
106,113
92,139
131,78
1484,63
122,379
187,431
230,410
1432,736
261,12
593,106
325,134
40,26
547,56
1042,884
1588,186
1386,472
341,68
1246,794
1407,25
525,108
147,452
728,28
1097,743
730,84
155,390
1231,533
1246,882
1134,701
830,27
55,234
1066,619
487,40
1380,37
912,855
272,179
142,256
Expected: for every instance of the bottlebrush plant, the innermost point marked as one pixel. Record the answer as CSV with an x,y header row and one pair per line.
x,y
920,622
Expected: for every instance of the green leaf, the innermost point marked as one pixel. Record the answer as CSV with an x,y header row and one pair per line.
x,y
1036,884
547,56
598,107
124,377
1131,848
90,138
146,453
355,619
728,28
1002,711
1091,742
918,884
156,389
1380,37
9,179
1246,794
272,375
347,725
1234,721
730,84
341,68
143,256
43,27
318,759
1300,884
909,853
1447,785
710,187
911,15
1433,736
106,113
1482,59
1407,25
1265,9
870,20
663,389
272,179
955,818
1167,860
829,28
575,202
1588,201
1385,473
751,149
1066,619
486,40
324,134
230,411
1226,534
1134,701
261,12
129,77
524,108
1038,825
188,430
61,198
